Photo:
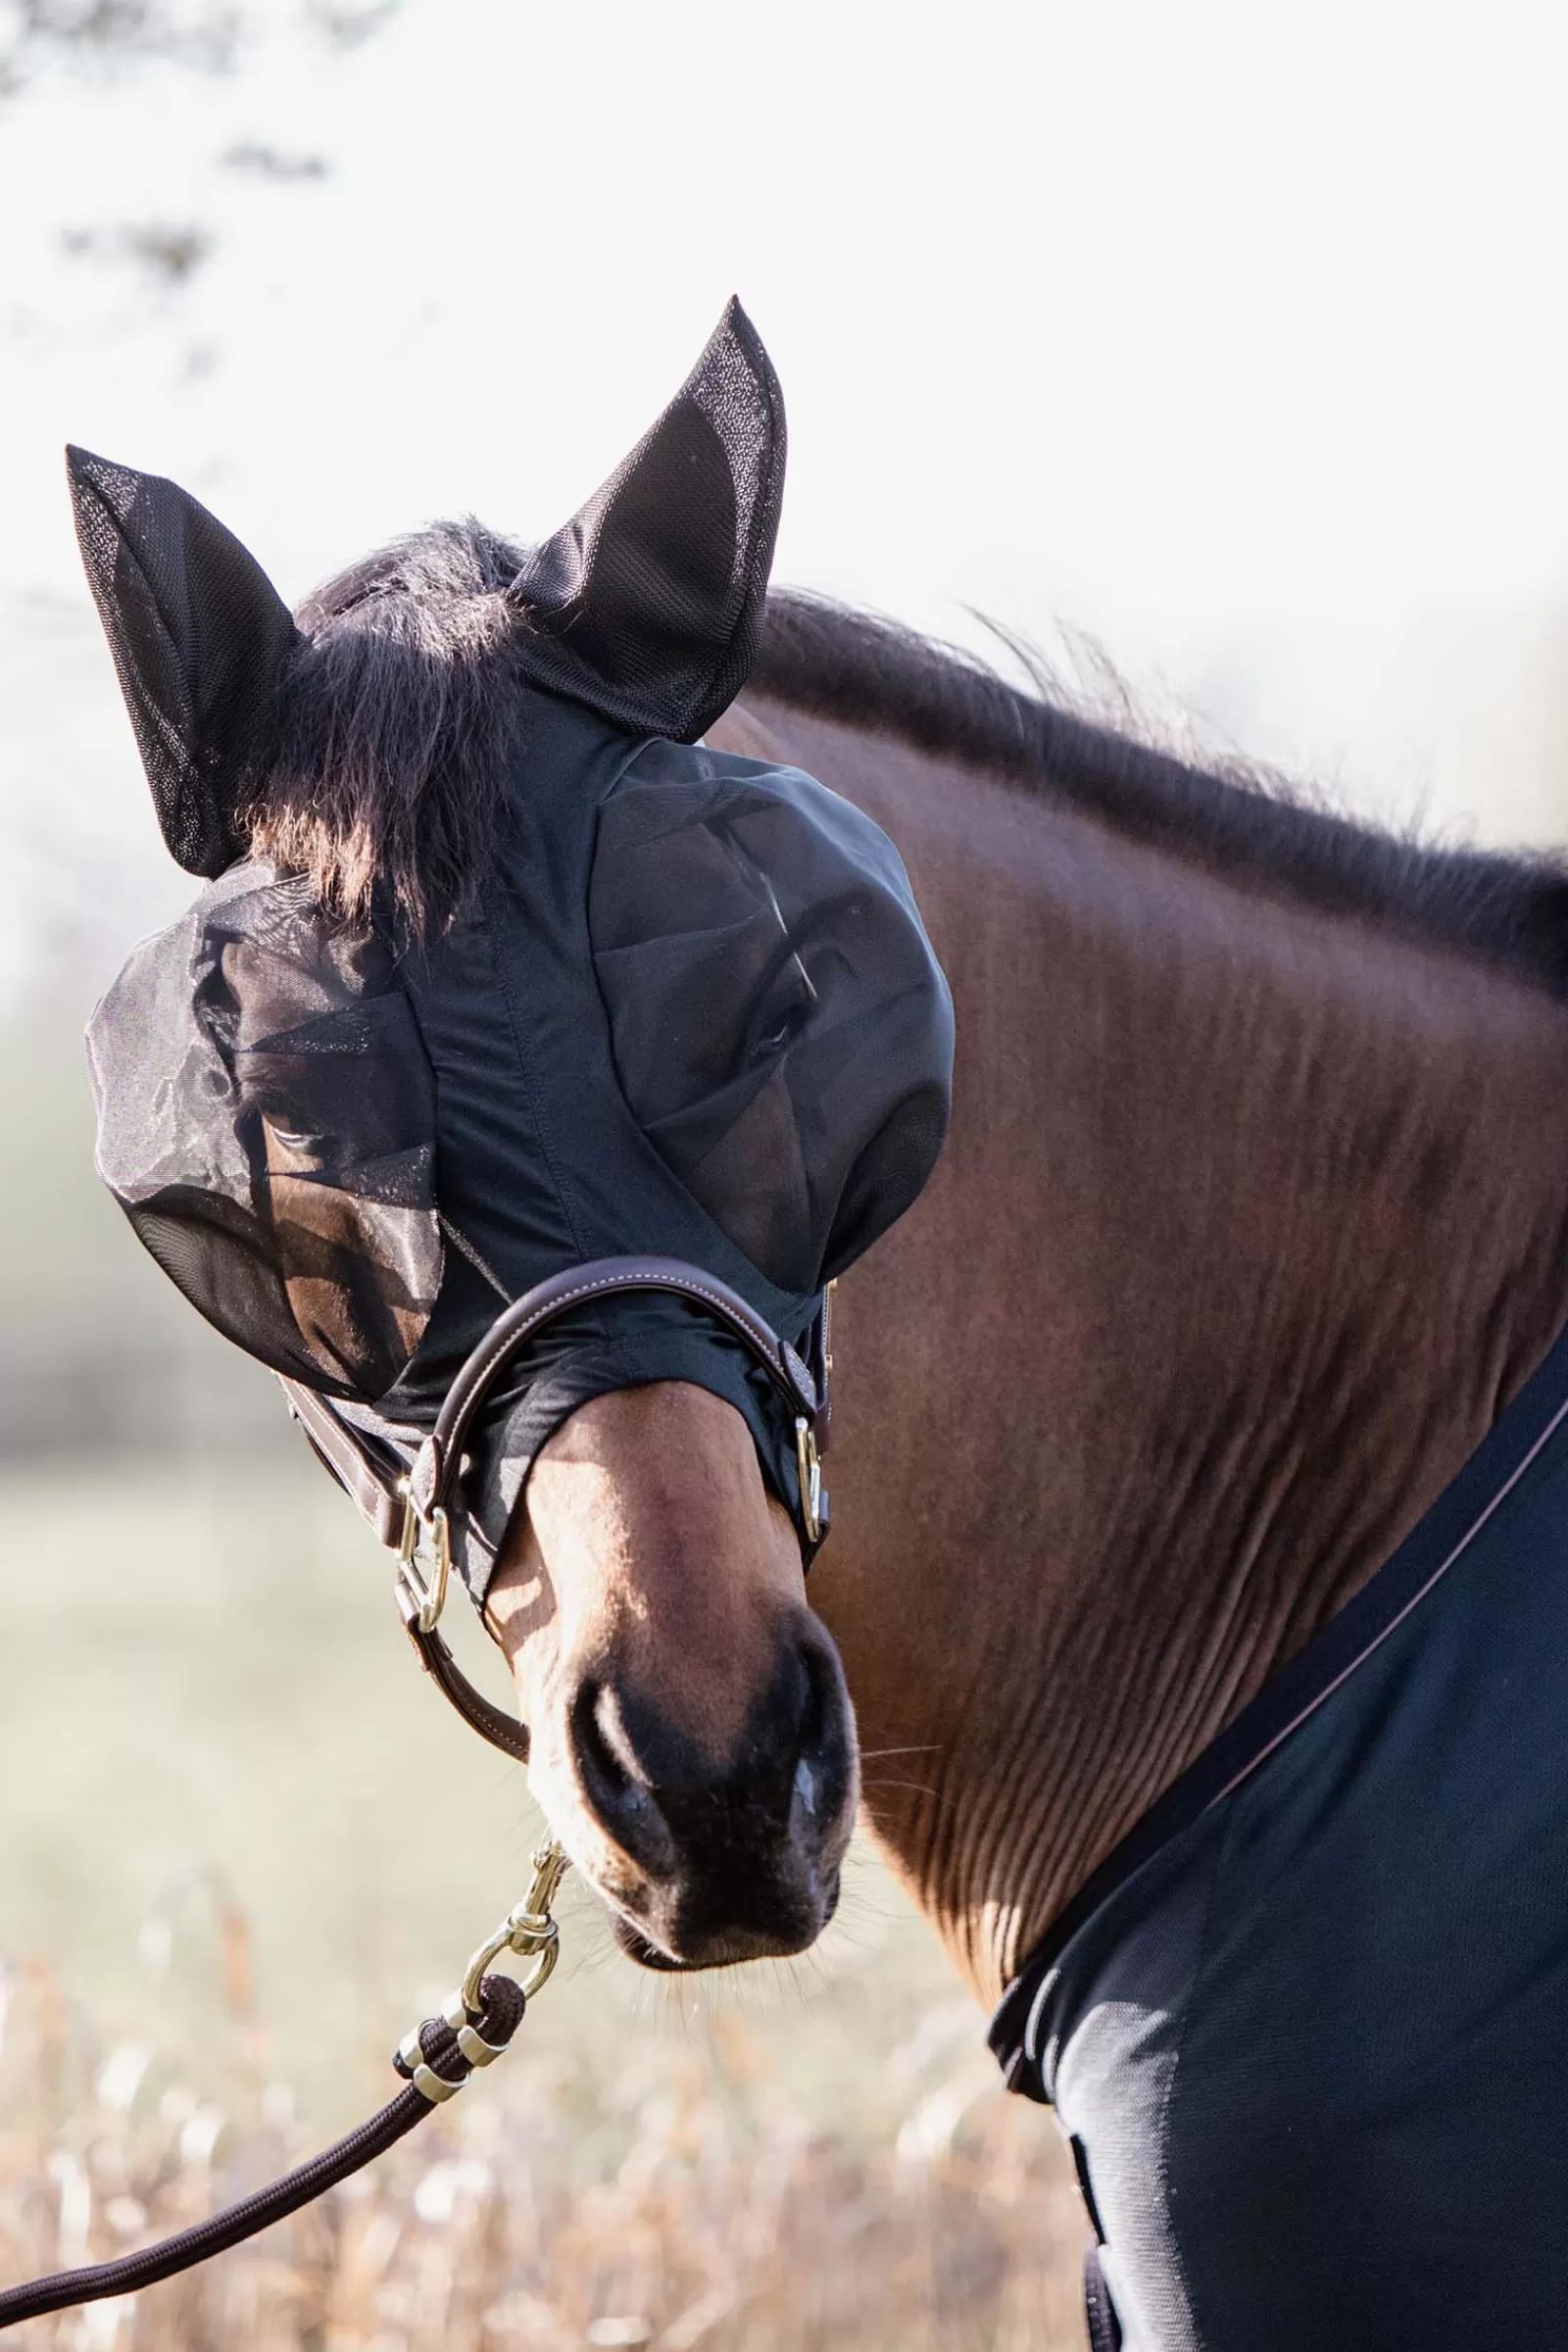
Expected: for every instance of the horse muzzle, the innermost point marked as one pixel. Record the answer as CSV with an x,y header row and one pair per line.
x,y
708,1856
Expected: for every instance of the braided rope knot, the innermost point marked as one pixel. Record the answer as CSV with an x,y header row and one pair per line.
x,y
442,2053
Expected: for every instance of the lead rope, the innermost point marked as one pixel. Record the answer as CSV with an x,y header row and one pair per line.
x,y
435,2060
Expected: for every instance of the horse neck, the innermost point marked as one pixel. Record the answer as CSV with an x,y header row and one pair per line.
x,y
1251,1221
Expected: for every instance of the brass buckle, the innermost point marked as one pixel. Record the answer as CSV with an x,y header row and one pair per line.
x,y
809,1464
425,1576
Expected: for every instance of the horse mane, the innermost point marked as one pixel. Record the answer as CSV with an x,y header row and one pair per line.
x,y
399,724
829,660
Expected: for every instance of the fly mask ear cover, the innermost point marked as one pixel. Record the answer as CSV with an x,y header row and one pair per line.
x,y
200,639
648,604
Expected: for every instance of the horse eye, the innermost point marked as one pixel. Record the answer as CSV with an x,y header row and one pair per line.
x,y
295,1139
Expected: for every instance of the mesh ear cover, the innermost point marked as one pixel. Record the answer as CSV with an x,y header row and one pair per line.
x,y
199,637
648,604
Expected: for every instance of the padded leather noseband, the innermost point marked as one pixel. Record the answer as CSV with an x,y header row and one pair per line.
x,y
409,1507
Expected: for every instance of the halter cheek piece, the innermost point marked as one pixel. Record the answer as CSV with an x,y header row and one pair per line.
x,y
410,1510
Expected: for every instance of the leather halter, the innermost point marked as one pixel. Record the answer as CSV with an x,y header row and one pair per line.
x,y
409,1509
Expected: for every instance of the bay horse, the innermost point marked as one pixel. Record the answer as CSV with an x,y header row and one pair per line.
x,y
1223,1329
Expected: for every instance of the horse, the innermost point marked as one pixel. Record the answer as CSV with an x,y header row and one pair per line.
x,y
1248,1239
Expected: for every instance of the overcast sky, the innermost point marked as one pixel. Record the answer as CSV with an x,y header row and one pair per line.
x,y
1231,335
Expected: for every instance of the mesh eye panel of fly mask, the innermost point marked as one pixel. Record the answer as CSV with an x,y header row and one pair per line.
x,y
688,1008
266,1119
780,1026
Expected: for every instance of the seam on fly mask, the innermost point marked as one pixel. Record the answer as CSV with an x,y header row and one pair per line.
x,y
540,1125
525,1068
480,1263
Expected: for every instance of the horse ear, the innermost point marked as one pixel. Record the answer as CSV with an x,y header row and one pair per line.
x,y
648,605
199,636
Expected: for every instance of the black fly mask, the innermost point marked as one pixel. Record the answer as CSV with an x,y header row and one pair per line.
x,y
687,1008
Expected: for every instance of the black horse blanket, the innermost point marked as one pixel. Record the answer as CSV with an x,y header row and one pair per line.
x,y
1308,2026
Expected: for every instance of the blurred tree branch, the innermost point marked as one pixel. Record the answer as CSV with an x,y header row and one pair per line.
x,y
108,39
207,35
88,35
169,251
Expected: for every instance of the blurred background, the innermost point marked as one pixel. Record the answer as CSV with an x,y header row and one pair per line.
x,y
1221,345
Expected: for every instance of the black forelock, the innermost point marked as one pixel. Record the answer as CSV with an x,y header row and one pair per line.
x,y
397,725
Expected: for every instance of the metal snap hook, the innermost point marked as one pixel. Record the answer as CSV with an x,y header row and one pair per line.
x,y
527,1932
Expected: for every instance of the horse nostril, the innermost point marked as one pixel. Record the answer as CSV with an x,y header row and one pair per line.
x,y
814,1709
611,1782
821,1784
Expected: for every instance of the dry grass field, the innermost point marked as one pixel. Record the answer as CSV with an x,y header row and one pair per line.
x,y
243,1847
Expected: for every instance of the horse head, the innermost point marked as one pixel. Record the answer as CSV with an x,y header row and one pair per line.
x,y
502,971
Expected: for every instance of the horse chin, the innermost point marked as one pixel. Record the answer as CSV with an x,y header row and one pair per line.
x,y
722,1951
